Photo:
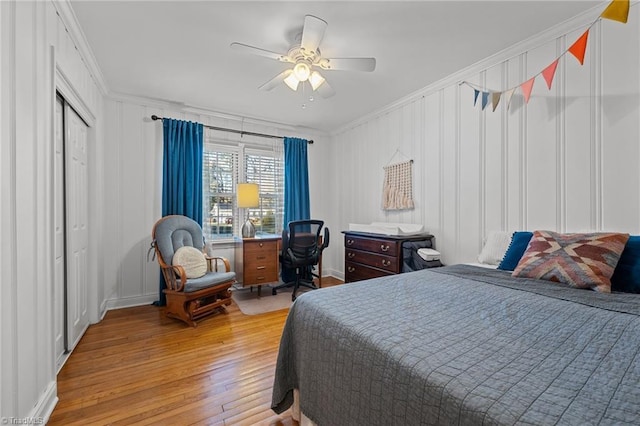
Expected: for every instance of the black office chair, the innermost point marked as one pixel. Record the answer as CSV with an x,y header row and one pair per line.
x,y
301,251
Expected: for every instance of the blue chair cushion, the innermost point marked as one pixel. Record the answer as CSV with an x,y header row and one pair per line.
x,y
208,280
177,231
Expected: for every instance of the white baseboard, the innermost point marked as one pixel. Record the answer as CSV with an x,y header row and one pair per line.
x,y
334,273
130,302
43,409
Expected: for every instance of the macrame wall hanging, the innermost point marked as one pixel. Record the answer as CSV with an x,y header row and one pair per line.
x,y
397,190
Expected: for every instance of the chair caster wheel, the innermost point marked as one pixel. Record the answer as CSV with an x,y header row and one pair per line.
x,y
274,292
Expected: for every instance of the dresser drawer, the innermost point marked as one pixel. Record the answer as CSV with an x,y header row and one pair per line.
x,y
388,263
358,272
389,248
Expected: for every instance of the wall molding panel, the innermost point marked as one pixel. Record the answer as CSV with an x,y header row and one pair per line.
x,y
547,164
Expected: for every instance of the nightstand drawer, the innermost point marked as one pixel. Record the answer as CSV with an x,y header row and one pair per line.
x,y
260,274
260,249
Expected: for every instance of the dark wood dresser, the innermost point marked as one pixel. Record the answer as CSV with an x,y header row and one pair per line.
x,y
374,255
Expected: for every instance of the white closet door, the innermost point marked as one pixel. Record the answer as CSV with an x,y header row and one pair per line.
x,y
59,284
77,204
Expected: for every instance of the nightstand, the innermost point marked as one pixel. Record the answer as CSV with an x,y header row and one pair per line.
x,y
256,261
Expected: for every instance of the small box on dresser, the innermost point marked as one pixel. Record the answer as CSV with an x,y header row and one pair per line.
x,y
374,255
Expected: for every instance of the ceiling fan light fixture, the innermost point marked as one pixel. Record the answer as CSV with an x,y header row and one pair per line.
x,y
302,71
315,79
292,81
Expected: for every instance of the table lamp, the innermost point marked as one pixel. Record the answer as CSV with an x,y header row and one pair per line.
x,y
248,197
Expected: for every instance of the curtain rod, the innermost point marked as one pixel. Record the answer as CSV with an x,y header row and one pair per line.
x,y
241,132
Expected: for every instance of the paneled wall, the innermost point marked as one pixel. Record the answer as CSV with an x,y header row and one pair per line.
x,y
133,168
36,53
566,161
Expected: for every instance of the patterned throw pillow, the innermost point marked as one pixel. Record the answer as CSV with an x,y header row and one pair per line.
x,y
580,260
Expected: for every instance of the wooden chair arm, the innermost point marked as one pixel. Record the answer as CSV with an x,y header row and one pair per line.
x,y
213,266
172,274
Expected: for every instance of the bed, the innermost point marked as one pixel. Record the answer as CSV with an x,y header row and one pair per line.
x,y
461,345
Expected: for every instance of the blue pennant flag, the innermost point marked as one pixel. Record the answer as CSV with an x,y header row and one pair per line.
x,y
476,92
485,99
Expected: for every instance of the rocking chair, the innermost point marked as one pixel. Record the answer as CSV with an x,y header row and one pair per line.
x,y
195,288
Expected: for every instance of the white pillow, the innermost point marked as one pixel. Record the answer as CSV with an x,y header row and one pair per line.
x,y
495,247
192,260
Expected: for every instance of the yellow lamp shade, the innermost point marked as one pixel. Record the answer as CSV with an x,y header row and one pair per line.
x,y
248,195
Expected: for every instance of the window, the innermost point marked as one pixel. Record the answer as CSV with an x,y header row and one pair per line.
x,y
223,168
267,171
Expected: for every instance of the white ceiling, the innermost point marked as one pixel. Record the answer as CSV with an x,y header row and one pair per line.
x,y
179,50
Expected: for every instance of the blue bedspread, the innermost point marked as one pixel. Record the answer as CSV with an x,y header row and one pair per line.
x,y
461,345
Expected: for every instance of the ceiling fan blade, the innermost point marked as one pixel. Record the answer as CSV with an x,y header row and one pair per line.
x,y
261,52
325,90
348,64
275,80
312,34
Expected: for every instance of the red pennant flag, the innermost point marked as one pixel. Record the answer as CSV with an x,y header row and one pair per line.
x,y
549,72
578,48
618,10
527,87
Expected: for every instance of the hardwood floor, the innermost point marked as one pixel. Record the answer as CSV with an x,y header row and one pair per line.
x,y
138,367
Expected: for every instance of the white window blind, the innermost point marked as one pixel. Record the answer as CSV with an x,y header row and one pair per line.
x,y
220,175
223,167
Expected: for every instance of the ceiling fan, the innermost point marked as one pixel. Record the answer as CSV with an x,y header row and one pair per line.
x,y
306,59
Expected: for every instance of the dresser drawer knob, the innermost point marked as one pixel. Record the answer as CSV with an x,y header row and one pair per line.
x,y
260,267
351,255
386,262
261,244
349,242
351,269
384,248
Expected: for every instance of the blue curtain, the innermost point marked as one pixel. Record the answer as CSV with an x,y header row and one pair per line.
x,y
296,188
181,174
296,181
182,169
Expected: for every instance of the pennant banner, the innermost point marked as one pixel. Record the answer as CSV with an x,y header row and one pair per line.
x,y
617,10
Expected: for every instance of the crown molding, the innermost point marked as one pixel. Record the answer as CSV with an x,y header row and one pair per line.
x,y
182,108
70,22
563,28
